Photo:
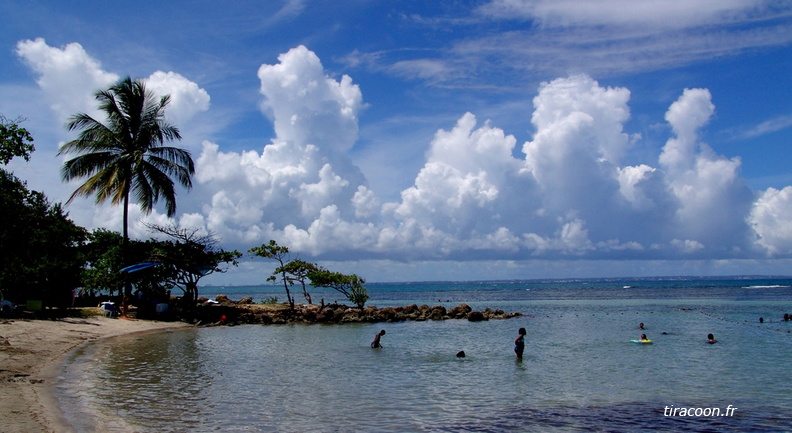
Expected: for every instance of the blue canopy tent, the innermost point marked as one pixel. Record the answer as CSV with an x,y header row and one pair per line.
x,y
139,267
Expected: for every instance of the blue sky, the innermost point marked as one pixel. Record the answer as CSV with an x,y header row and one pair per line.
x,y
490,139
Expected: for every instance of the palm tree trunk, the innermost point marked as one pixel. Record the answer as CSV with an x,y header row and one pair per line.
x,y
127,284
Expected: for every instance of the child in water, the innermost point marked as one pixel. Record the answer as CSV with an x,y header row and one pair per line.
x,y
711,339
519,343
376,343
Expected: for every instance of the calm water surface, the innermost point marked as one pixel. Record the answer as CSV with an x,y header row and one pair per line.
x,y
580,371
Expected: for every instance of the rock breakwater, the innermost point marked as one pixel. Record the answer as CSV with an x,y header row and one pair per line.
x,y
224,311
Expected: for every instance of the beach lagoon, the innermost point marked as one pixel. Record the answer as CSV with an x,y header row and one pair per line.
x,y
580,370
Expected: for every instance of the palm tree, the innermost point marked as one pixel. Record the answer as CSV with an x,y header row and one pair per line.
x,y
127,153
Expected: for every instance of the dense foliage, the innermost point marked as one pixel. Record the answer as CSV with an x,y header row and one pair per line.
x,y
178,262
39,245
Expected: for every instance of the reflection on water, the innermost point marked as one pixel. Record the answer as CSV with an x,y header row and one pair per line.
x,y
579,372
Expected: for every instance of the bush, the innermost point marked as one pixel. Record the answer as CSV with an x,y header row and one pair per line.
x,y
269,300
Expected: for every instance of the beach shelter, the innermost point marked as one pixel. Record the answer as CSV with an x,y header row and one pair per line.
x,y
139,267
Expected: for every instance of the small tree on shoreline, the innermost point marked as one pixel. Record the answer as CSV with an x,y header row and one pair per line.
x,y
298,270
291,271
279,253
350,286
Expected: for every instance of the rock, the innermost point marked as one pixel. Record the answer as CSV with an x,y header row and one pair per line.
x,y
410,309
437,312
476,316
243,312
325,315
309,315
460,311
245,300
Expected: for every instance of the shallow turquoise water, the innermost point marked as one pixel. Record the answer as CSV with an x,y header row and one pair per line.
x,y
580,371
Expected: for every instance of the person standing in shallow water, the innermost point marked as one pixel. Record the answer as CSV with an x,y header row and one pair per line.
x,y
519,343
376,343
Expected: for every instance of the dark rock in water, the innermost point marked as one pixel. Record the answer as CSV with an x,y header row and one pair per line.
x,y
389,314
460,311
437,312
461,354
476,316
410,310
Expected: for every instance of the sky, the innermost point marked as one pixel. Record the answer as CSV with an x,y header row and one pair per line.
x,y
458,140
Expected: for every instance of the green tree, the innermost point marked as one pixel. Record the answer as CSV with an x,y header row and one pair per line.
x,y
105,257
350,286
298,271
189,256
15,141
39,244
280,254
127,154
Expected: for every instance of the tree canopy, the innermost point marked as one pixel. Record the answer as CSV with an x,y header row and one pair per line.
x,y
350,286
188,255
15,141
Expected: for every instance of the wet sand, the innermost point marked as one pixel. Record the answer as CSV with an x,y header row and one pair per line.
x,y
31,352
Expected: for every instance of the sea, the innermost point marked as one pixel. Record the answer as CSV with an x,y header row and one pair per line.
x,y
580,372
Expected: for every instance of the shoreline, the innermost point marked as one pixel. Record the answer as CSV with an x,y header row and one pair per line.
x,y
32,354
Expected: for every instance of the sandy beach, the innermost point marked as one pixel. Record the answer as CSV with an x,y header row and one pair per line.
x,y
31,352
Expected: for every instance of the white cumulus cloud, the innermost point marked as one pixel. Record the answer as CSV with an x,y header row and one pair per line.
x,y
301,188
68,76
565,193
186,98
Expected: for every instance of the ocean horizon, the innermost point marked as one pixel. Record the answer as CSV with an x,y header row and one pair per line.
x,y
580,371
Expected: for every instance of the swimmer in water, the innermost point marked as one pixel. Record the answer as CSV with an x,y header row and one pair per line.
x,y
376,343
519,343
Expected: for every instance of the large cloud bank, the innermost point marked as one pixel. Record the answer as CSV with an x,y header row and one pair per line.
x,y
567,193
